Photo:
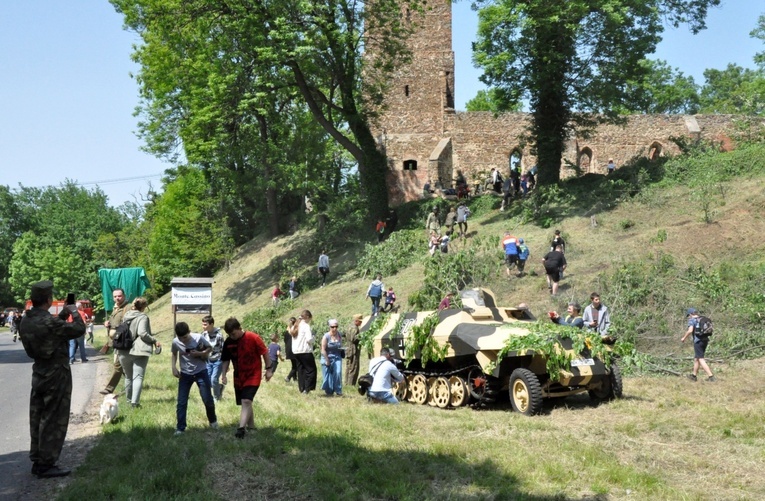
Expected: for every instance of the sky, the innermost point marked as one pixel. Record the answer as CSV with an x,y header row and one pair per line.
x,y
67,97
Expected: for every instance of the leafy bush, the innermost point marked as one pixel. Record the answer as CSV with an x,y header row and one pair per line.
x,y
398,251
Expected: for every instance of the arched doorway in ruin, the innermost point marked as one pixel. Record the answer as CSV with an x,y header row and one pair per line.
x,y
584,161
515,159
655,151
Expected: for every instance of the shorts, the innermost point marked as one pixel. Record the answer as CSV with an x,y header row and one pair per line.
x,y
323,270
511,259
554,274
699,347
246,393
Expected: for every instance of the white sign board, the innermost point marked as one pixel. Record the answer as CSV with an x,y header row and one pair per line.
x,y
192,296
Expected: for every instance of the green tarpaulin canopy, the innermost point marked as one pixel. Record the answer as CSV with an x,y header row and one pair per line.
x,y
132,280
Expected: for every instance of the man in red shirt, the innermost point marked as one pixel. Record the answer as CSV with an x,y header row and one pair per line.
x,y
246,350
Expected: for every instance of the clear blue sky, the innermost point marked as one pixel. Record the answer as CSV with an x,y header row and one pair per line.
x,y
67,98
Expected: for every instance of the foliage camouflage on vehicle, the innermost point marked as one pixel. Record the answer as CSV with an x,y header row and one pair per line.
x,y
457,356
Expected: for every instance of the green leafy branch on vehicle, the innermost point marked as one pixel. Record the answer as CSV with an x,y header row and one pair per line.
x,y
421,341
544,339
367,337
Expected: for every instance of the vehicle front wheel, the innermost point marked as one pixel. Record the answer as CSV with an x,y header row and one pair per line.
x,y
525,392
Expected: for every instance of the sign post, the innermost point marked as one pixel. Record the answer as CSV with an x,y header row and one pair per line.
x,y
191,295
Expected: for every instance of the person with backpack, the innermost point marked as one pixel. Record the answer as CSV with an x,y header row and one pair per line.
x,y
701,329
374,292
135,359
523,256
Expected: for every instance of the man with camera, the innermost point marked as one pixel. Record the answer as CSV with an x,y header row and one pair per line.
x,y
46,340
384,372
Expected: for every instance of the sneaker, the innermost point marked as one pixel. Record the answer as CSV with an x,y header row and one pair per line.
x,y
52,472
240,433
214,425
135,406
711,379
104,392
179,433
692,377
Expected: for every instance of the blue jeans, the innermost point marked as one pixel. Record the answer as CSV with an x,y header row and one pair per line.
x,y
375,304
385,396
184,388
213,371
74,344
332,376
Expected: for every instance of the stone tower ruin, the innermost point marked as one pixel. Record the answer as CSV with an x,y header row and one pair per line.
x,y
425,139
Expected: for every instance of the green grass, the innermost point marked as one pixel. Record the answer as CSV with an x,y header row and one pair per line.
x,y
667,439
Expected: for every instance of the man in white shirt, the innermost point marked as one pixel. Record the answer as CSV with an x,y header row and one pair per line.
x,y
384,372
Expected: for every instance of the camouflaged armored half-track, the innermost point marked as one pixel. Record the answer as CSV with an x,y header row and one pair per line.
x,y
475,335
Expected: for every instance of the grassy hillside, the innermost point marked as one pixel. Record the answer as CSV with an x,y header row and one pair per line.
x,y
656,249
654,239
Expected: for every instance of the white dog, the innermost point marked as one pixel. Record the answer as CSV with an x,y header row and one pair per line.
x,y
110,408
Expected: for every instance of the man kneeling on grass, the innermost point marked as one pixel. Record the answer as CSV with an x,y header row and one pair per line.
x,y
245,350
193,350
384,372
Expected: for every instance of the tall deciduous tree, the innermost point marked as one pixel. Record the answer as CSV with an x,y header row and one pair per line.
x,y
572,60
663,90
313,48
733,90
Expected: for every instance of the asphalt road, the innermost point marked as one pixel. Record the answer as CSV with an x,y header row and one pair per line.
x,y
15,382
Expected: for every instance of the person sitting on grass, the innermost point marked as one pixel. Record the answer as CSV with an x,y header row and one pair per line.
x,y
192,350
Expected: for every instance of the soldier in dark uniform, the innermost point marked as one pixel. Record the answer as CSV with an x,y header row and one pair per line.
x,y
46,340
352,351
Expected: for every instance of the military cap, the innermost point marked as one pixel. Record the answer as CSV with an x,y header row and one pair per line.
x,y
42,289
358,316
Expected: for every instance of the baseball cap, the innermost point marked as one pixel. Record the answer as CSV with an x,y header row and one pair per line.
x,y
690,311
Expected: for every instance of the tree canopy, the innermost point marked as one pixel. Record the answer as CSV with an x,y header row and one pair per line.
x,y
212,73
572,60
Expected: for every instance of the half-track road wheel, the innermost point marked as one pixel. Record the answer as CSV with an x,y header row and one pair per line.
x,y
401,390
431,387
611,386
418,389
459,391
525,392
441,392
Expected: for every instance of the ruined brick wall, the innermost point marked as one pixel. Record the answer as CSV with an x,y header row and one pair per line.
x,y
425,139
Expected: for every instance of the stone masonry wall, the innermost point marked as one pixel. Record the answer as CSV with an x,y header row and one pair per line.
x,y
420,114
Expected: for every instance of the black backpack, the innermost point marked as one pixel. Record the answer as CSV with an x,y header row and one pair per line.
x,y
123,339
704,328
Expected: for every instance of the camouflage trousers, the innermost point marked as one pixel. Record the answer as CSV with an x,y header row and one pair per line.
x,y
49,405
351,370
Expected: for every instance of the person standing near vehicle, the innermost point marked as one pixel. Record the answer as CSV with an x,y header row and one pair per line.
x,y
121,306
332,360
45,338
192,350
352,351
323,267
249,354
700,343
596,316
214,336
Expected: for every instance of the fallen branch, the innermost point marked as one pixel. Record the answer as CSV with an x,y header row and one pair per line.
x,y
664,369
